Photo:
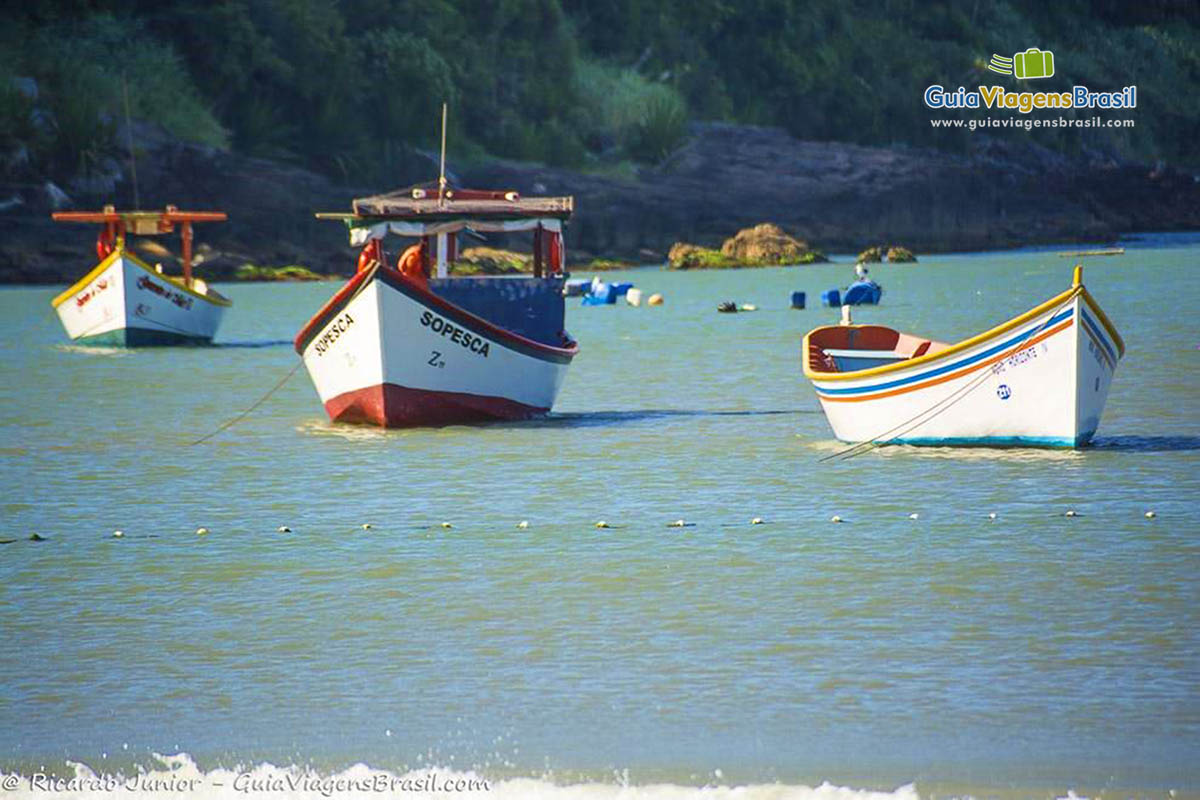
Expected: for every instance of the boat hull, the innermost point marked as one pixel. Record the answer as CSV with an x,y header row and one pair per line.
x,y
122,302
387,352
1040,380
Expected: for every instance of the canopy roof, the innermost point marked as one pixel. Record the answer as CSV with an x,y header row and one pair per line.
x,y
422,203
418,211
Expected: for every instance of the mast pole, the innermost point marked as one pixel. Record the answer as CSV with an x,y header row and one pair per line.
x,y
129,136
442,171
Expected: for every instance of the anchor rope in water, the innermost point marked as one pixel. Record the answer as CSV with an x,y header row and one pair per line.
x,y
935,410
230,423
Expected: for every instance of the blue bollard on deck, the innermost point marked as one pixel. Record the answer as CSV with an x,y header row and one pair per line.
x,y
797,299
831,298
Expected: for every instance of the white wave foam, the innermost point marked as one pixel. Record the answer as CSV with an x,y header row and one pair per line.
x,y
180,777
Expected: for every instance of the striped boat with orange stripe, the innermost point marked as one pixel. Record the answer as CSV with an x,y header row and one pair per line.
x,y
1039,379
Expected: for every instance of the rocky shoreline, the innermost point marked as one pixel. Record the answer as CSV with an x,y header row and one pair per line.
x,y
839,197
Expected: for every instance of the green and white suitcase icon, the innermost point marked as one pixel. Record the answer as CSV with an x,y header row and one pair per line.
x,y
1033,63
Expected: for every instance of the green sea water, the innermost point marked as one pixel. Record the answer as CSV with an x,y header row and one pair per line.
x,y
1029,655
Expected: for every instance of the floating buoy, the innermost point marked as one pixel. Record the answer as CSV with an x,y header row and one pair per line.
x,y
634,297
1071,513
447,525
284,529
118,534
756,521
654,300
201,531
727,307
523,524
797,299
835,518
37,537
992,515
676,524
748,307
914,515
366,526
1150,515
601,524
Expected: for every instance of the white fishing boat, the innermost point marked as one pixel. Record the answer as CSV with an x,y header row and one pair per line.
x,y
125,302
1040,379
404,346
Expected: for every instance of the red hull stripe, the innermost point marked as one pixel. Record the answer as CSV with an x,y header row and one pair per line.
x,y
478,325
395,406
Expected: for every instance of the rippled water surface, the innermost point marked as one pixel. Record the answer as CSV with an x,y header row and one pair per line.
x,y
1033,653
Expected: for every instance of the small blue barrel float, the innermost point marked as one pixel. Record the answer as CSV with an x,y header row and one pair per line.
x,y
831,298
797,299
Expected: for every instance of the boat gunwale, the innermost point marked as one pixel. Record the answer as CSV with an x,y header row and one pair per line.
x,y
422,295
1077,289
215,298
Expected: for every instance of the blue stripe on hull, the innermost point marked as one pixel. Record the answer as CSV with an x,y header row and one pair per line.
x,y
141,337
1094,329
998,441
948,367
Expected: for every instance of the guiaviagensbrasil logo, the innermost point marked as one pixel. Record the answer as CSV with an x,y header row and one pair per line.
x,y
1033,63
1028,64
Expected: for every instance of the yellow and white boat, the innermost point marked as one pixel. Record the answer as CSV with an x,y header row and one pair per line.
x,y
1040,379
123,301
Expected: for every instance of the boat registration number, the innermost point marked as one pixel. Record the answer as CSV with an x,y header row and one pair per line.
x,y
1015,360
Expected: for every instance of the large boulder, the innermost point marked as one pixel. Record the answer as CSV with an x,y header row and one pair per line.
x,y
872,255
767,244
690,256
894,254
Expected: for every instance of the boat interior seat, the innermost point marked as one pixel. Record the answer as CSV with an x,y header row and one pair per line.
x,y
865,337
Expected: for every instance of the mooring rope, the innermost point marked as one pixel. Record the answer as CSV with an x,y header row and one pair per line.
x,y
230,423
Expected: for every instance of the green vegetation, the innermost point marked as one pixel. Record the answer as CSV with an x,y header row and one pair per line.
x,y
604,265
690,256
253,272
491,261
348,86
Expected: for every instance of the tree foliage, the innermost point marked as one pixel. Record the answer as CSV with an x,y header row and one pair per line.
x,y
349,85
